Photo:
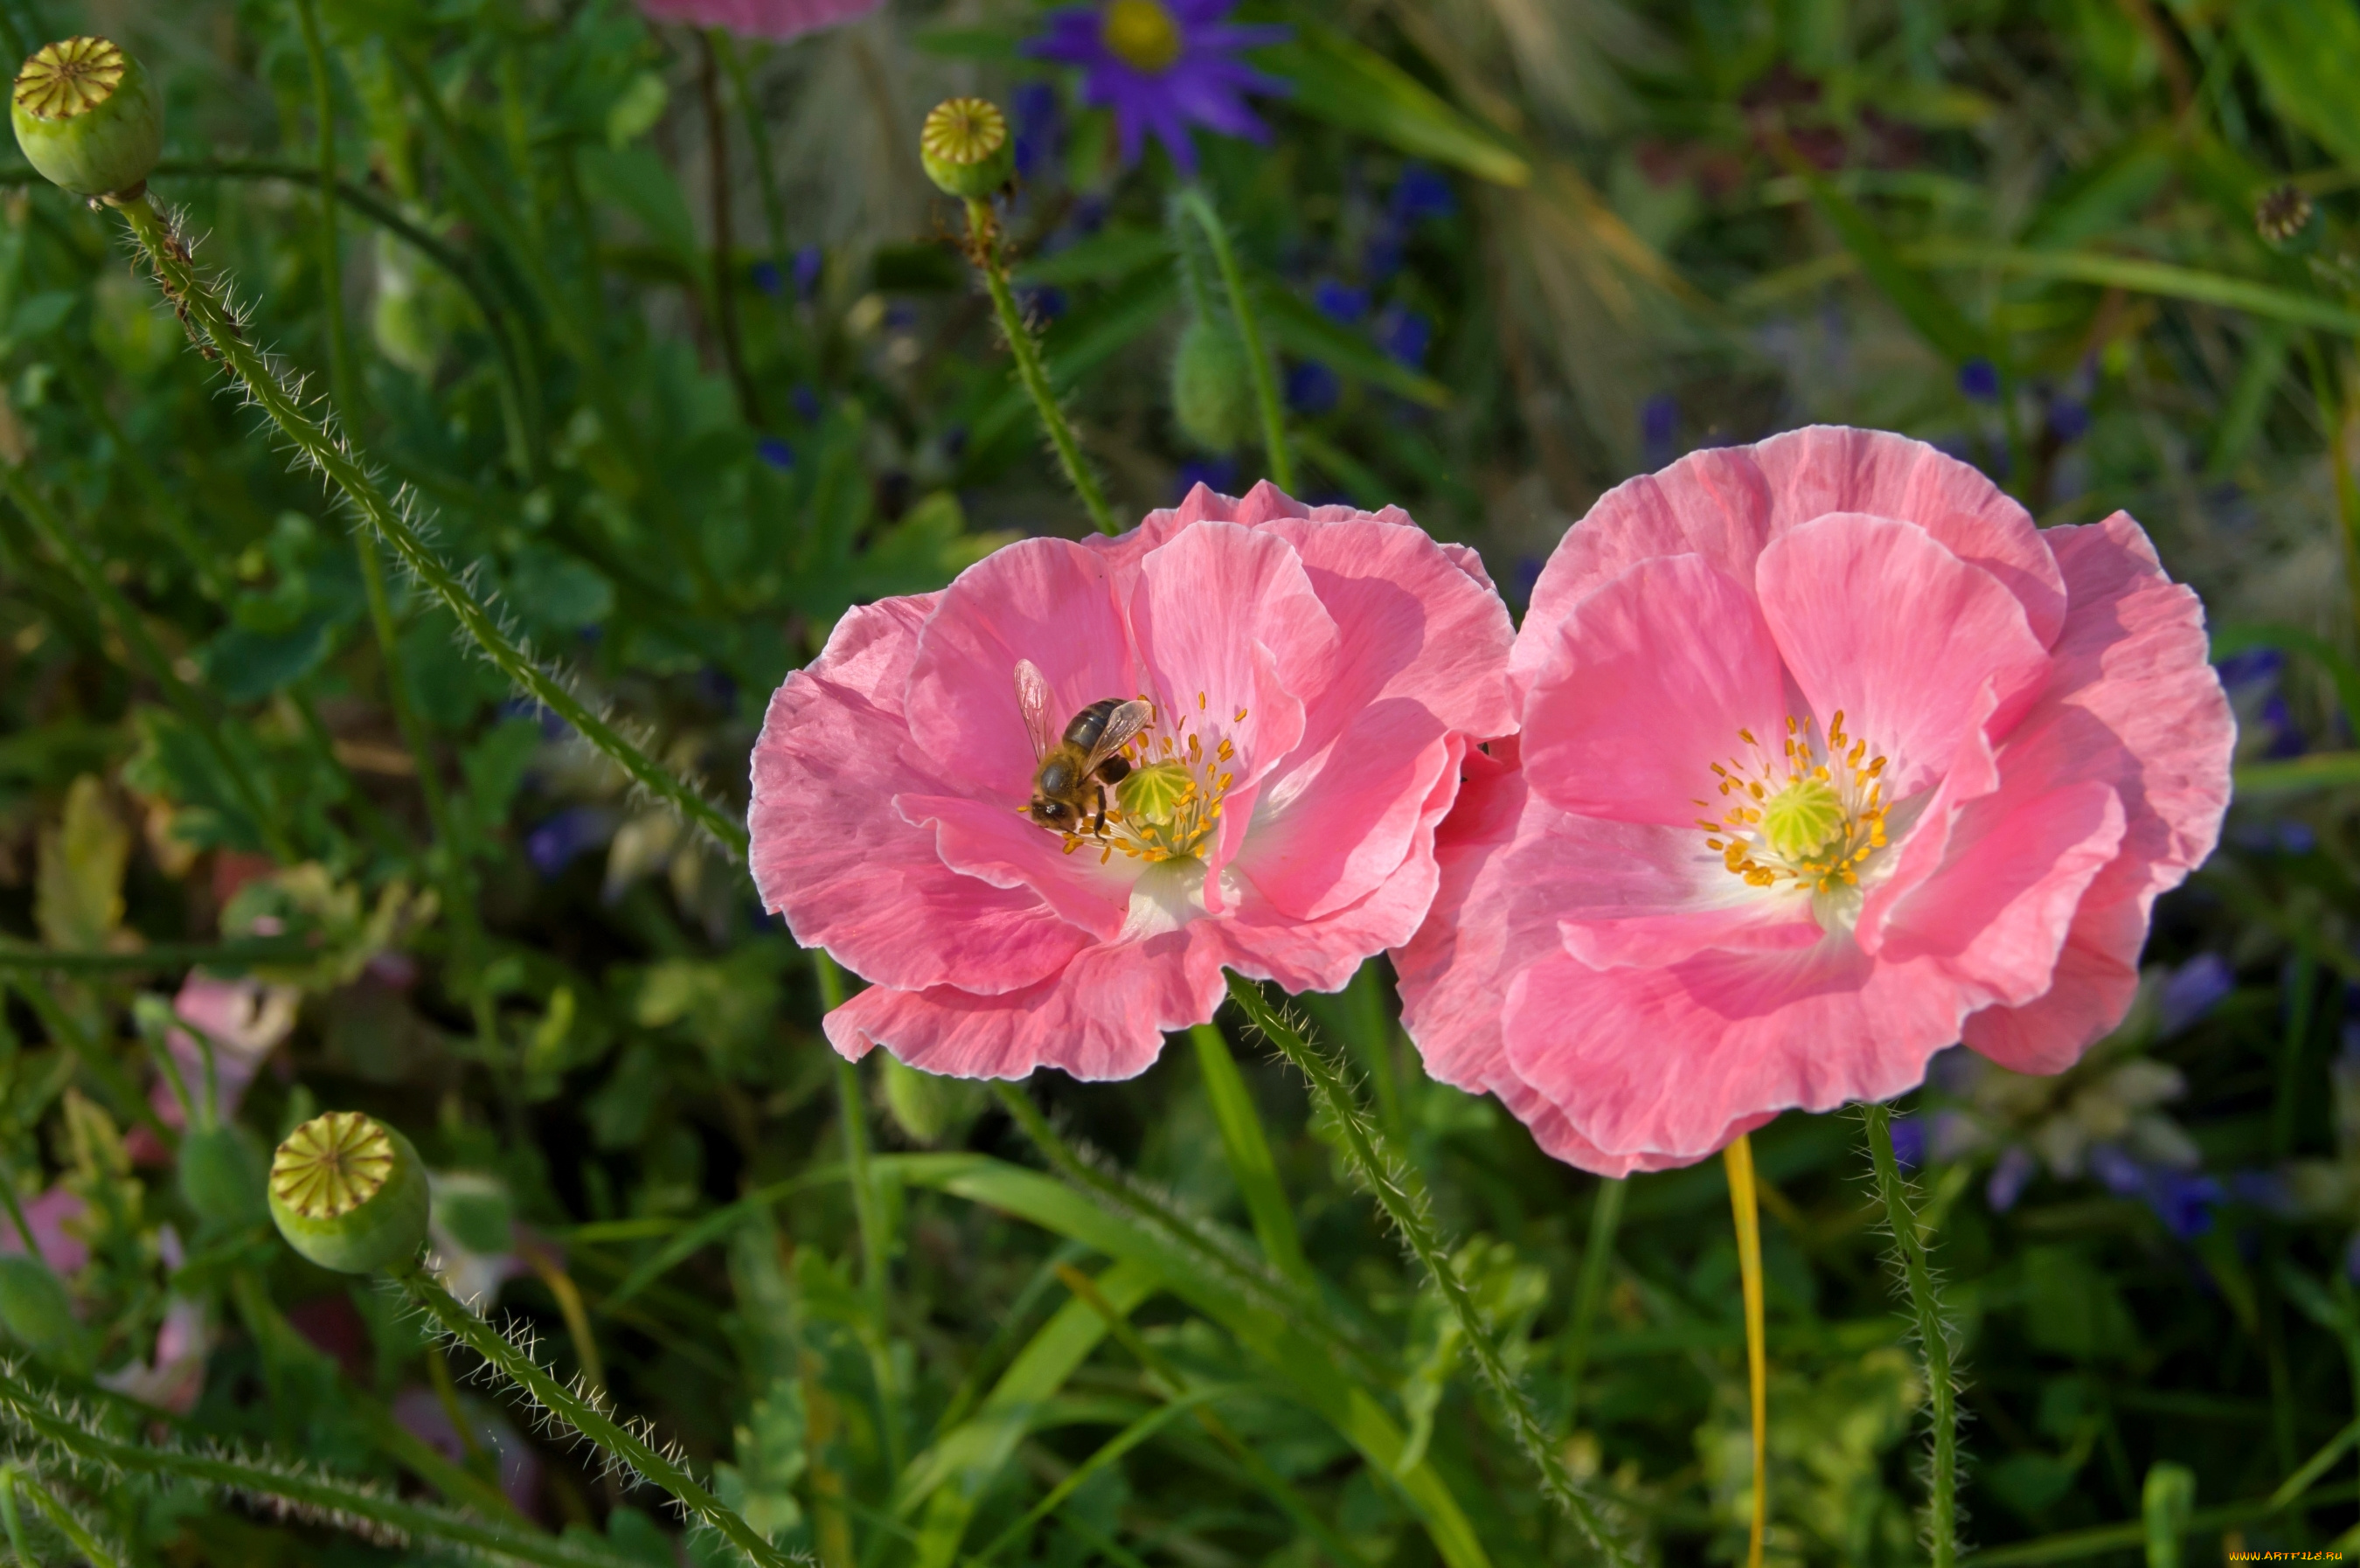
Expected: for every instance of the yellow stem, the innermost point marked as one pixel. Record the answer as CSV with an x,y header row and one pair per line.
x,y
1744,1205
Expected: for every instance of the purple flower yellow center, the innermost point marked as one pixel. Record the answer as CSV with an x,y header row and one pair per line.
x,y
1141,34
1810,817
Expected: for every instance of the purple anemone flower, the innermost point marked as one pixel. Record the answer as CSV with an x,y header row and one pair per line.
x,y
1163,66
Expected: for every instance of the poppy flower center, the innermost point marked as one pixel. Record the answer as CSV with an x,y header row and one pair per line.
x,y
1141,34
1169,801
1810,817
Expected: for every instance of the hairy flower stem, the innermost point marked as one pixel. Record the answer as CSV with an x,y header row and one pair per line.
x,y
62,1519
1401,1193
1933,1336
1745,1207
1193,200
587,1418
55,533
983,249
351,1504
210,320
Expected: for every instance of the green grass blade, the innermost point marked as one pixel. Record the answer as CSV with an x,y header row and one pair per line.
x,y
1250,1158
1306,1371
1353,87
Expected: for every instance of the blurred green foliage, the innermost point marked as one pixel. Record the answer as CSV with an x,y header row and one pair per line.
x,y
662,330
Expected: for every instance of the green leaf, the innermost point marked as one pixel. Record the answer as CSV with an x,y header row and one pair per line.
x,y
2300,776
952,1476
2305,52
1302,1367
1351,86
1938,320
1251,1164
1111,255
78,886
2141,276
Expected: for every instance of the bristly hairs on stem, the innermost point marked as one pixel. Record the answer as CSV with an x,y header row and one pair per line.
x,y
67,1438
1937,1336
217,327
626,1445
1400,1193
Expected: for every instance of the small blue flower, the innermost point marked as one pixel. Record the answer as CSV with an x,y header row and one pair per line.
x,y
1044,303
2013,1172
1908,1142
2251,668
1217,474
1040,127
2184,1200
770,280
1525,578
776,453
558,841
1979,380
808,262
1421,194
552,726
2068,419
1312,388
1659,430
1404,335
1340,301
807,404
2192,990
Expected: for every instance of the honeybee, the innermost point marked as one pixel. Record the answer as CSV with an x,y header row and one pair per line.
x,y
1069,787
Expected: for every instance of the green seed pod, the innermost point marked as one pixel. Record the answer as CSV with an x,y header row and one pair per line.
x,y
1212,389
966,147
38,1312
349,1193
89,117
224,1175
926,1106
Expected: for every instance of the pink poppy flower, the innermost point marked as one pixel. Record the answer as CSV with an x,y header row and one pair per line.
x,y
1315,676
243,1019
1829,758
778,19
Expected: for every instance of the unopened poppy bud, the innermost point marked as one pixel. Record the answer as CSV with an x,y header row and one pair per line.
x,y
966,147
222,1174
88,117
36,1312
349,1193
1212,390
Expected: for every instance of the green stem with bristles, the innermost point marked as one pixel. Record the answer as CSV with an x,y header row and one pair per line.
x,y
983,248
345,1502
207,315
1933,1335
67,1523
594,1424
1197,205
1401,1193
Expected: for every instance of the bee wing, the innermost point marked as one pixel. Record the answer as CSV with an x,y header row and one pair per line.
x,y
1032,698
1121,725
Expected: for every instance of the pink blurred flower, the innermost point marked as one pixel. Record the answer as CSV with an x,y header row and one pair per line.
x,y
173,1378
1830,758
49,1216
1319,673
760,19
244,1019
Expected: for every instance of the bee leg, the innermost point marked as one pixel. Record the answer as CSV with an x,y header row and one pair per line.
x,y
1099,826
